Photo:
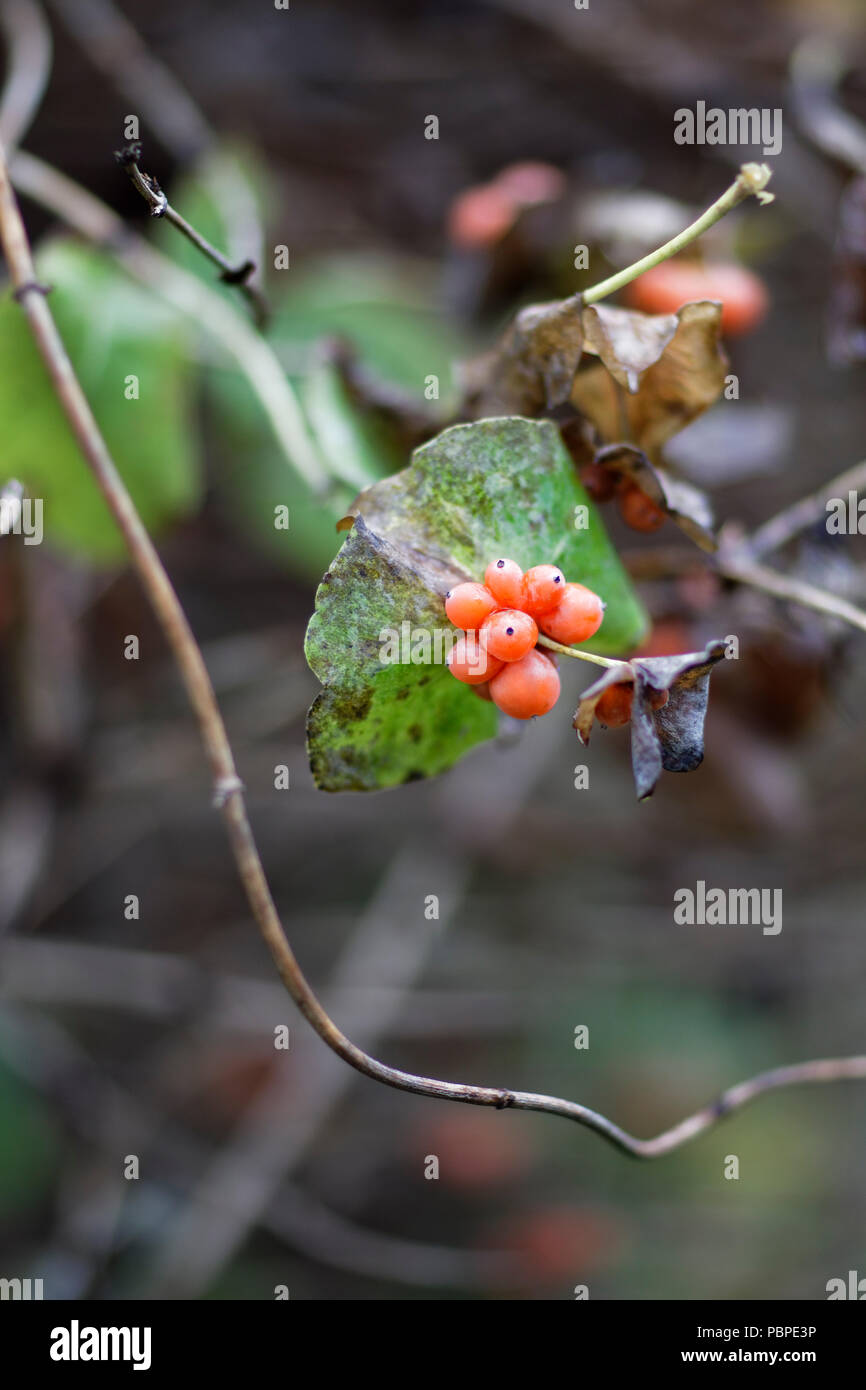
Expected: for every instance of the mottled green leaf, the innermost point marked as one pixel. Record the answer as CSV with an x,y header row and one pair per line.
x,y
496,487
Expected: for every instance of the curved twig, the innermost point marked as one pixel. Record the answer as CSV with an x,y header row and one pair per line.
x,y
228,789
27,39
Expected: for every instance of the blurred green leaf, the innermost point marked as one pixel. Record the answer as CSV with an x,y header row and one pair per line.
x,y
385,309
112,330
30,1153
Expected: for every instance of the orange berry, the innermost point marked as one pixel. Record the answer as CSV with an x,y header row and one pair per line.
x,y
543,588
599,482
664,288
467,605
510,634
639,511
530,182
480,217
577,618
527,687
504,579
614,707
470,661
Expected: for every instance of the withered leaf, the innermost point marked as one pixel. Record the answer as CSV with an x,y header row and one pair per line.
x,y
627,341
681,383
532,368
685,504
670,738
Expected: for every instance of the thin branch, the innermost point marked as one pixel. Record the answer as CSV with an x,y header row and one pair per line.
x,y
27,40
228,789
806,512
159,205
737,564
751,181
255,357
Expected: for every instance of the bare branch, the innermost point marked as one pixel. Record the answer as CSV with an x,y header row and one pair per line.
x,y
808,511
27,39
159,205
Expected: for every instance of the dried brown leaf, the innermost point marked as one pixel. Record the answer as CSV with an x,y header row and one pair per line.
x,y
533,367
682,382
685,504
670,738
627,342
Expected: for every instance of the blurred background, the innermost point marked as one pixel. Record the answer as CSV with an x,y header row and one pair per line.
x,y
153,1036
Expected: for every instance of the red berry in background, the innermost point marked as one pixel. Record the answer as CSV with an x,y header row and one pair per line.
x,y
668,637
658,698
483,692
664,288
504,579
577,618
599,482
561,1242
639,511
471,1153
543,588
509,634
530,182
614,706
470,661
467,605
526,688
480,217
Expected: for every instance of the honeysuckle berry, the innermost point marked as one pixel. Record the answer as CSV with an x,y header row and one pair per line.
x,y
510,633
467,605
527,687
665,287
576,618
504,579
543,588
639,511
614,705
470,661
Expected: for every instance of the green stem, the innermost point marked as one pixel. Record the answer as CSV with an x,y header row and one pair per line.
x,y
752,179
572,651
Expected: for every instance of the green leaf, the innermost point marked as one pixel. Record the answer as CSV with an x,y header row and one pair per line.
x,y
252,476
385,308
496,487
112,330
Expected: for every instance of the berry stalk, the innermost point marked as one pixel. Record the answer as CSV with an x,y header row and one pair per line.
x,y
751,180
544,641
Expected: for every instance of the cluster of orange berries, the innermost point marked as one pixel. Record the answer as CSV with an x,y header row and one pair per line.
x,y
501,620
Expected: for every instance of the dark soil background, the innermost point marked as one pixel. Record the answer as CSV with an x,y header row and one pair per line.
x,y
155,1038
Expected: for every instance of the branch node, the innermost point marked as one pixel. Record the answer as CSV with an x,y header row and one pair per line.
x,y
28,287
238,275
224,787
